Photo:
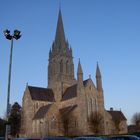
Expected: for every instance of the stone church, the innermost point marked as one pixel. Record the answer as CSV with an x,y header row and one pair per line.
x,y
69,106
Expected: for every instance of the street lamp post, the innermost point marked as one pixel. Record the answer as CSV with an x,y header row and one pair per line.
x,y
16,35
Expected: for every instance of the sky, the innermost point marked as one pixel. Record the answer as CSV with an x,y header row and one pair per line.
x,y
107,31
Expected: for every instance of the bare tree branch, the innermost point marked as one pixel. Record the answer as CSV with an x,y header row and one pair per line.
x,y
136,119
95,121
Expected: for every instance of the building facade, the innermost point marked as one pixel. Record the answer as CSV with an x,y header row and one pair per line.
x,y
69,105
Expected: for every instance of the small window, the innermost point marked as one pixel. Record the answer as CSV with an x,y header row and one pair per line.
x,y
53,123
61,66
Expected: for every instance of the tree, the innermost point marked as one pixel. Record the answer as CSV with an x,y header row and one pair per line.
x,y
2,127
65,122
15,119
68,121
136,119
95,121
117,124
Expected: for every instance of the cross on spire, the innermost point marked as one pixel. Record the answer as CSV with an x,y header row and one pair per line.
x,y
60,35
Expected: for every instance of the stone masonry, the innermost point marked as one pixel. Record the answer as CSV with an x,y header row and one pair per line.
x,y
68,106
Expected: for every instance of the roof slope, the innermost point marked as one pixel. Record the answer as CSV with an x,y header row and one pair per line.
x,y
41,94
67,110
117,115
42,111
70,92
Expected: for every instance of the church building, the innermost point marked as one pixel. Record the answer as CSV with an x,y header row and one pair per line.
x,y
69,106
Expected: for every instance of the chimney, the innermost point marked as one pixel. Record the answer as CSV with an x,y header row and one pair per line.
x,y
111,108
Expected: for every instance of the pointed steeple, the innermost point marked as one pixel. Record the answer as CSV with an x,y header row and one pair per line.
x,y
98,79
70,51
98,73
60,35
79,73
61,67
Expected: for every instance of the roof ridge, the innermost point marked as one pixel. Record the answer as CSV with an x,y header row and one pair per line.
x,y
36,87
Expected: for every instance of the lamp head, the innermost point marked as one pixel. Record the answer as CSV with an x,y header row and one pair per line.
x,y
7,34
17,34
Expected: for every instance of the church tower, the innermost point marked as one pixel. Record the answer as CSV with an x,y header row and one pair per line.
x,y
98,79
61,67
99,89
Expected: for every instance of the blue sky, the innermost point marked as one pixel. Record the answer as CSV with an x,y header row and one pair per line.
x,y
107,31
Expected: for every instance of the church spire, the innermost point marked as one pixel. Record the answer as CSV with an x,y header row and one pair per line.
x,y
61,67
98,78
60,35
98,73
79,72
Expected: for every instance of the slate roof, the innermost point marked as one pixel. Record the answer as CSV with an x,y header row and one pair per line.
x,y
42,111
67,110
41,94
117,115
71,91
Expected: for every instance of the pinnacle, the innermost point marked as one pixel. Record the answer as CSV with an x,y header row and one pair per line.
x,y
60,35
98,73
80,71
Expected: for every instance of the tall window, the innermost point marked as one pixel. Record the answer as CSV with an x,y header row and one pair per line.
x,y
94,104
61,66
96,107
67,67
53,123
37,126
33,126
90,105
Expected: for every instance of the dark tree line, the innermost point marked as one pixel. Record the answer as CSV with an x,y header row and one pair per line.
x,y
69,123
2,127
95,121
15,119
136,119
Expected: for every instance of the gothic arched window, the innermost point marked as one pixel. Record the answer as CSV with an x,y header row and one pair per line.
x,y
91,105
53,123
61,66
67,67
94,104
